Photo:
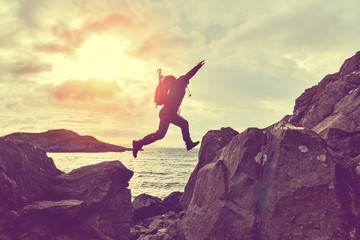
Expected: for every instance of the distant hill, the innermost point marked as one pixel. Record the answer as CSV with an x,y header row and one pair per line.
x,y
62,140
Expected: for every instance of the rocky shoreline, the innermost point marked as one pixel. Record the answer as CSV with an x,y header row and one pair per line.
x,y
296,179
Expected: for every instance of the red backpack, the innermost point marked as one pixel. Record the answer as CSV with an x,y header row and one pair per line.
x,y
163,88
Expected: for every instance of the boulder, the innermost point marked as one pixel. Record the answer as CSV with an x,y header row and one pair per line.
x,y
49,219
107,200
40,202
172,202
91,183
273,183
146,206
25,175
213,141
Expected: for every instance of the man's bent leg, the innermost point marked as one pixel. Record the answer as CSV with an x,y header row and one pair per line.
x,y
184,125
179,121
159,134
152,137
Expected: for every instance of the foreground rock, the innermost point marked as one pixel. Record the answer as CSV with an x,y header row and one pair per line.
x,y
39,202
25,174
277,183
285,181
62,140
212,142
103,189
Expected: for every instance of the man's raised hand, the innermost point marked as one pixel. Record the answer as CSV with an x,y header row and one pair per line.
x,y
200,64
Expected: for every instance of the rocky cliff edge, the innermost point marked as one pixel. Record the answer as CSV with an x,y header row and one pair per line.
x,y
297,179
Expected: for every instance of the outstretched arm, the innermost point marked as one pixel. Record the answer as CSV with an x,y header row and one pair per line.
x,y
193,71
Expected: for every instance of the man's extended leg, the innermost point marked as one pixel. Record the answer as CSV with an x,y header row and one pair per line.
x,y
152,137
184,125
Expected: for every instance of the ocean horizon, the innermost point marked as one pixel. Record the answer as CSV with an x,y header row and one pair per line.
x,y
157,171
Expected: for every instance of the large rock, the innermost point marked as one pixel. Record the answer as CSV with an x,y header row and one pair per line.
x,y
26,172
213,141
333,103
91,183
39,202
276,183
146,206
172,202
50,219
107,200
297,179
25,175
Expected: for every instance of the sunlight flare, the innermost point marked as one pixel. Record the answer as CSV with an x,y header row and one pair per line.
x,y
101,56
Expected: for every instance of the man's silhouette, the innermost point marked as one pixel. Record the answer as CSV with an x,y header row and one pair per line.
x,y
169,113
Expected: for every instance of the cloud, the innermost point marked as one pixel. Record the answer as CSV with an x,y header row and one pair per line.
x,y
260,56
108,22
90,89
152,28
172,47
54,48
97,96
68,40
22,68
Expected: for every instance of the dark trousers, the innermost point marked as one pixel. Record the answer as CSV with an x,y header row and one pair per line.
x,y
165,121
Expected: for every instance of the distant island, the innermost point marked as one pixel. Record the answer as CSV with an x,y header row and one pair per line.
x,y
62,140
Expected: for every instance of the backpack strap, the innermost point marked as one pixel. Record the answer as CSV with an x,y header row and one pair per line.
x,y
188,90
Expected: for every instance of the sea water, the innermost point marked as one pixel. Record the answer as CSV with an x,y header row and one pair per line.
x,y
157,171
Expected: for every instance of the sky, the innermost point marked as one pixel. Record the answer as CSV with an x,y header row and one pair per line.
x,y
90,66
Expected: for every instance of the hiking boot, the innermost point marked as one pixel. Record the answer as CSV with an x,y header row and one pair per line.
x,y
191,145
136,147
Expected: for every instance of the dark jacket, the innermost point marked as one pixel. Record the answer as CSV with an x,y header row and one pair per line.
x,y
177,92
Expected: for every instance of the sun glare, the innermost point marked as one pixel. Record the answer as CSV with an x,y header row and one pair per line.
x,y
101,56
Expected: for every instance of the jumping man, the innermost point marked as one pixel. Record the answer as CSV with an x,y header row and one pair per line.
x,y
169,113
